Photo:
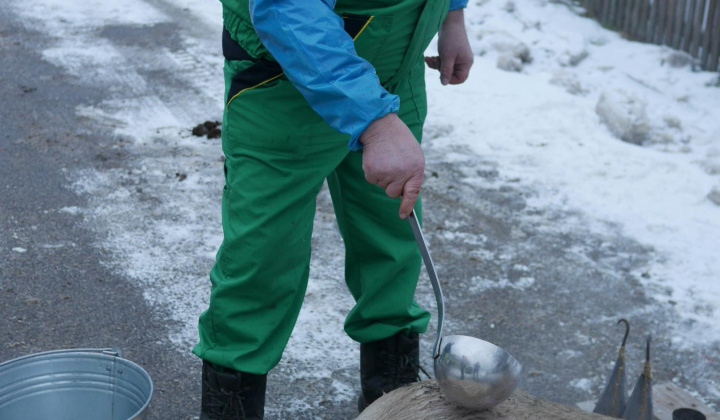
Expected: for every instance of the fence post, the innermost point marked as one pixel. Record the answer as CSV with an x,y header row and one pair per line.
x,y
697,28
660,23
635,16
652,22
714,27
672,9
688,25
644,20
707,34
598,8
678,24
605,12
615,14
627,18
590,8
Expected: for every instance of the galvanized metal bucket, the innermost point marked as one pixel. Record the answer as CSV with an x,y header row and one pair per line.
x,y
82,384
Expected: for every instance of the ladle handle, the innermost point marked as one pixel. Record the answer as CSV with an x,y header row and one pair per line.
x,y
433,278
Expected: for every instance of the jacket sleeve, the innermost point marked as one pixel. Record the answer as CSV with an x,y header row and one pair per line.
x,y
307,39
457,4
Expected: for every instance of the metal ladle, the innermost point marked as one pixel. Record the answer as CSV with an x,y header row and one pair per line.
x,y
472,373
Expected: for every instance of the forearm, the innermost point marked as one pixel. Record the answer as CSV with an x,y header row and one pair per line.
x,y
454,23
454,17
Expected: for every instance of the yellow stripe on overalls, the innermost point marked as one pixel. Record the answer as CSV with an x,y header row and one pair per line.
x,y
275,77
253,87
363,28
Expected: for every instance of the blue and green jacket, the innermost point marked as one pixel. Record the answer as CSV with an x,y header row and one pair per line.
x,y
307,39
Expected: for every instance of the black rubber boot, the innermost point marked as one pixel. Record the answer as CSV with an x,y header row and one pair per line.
x,y
386,365
232,395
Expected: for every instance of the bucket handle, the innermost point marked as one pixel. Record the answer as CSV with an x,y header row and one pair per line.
x,y
114,351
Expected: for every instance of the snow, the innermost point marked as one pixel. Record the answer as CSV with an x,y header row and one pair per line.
x,y
58,15
582,384
553,139
481,284
70,210
552,121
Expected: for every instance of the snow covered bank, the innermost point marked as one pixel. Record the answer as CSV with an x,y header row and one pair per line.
x,y
557,125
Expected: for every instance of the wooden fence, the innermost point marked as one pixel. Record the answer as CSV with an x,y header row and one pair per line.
x,y
689,25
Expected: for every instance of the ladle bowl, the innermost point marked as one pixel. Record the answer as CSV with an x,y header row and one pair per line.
x,y
470,372
474,373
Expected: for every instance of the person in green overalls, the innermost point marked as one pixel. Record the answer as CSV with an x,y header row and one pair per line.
x,y
321,90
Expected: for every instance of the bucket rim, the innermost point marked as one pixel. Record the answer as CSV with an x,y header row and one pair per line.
x,y
110,352
114,353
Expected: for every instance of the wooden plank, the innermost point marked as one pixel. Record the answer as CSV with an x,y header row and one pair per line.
x,y
688,26
667,397
671,13
624,15
614,13
607,7
608,12
715,40
660,22
707,34
665,21
652,22
627,17
601,9
605,12
620,14
424,401
697,28
635,19
678,24
644,20
589,6
674,25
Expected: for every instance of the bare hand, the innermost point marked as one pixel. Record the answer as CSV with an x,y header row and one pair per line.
x,y
456,56
393,159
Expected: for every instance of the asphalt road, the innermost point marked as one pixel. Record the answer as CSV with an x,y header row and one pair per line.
x,y
59,294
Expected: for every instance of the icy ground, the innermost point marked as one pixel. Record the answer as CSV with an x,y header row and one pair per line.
x,y
574,179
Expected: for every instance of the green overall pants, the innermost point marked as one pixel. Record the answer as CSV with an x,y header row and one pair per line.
x,y
278,152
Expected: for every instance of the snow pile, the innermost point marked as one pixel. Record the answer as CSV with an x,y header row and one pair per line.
x,y
624,115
